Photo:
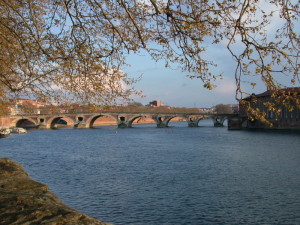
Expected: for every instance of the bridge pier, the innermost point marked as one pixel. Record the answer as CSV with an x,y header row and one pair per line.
x,y
161,125
81,125
161,121
42,123
219,120
193,121
123,122
80,122
123,125
235,122
43,126
193,124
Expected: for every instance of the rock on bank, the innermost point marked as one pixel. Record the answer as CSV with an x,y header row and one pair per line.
x,y
25,201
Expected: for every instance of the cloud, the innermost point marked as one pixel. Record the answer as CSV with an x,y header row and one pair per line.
x,y
226,87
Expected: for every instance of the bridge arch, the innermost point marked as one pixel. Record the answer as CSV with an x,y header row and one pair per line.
x,y
90,122
168,119
163,120
53,121
133,118
24,122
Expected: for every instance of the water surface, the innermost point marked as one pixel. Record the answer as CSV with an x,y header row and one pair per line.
x,y
178,175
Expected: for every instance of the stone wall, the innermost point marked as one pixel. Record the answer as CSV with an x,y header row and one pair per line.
x,y
4,122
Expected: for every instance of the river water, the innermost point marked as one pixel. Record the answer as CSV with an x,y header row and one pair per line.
x,y
177,175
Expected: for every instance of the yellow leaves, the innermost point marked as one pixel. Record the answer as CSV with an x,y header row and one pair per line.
x,y
252,9
163,41
216,23
285,55
268,67
3,108
258,70
209,86
270,106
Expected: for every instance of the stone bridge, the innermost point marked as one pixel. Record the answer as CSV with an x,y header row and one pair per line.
x,y
122,119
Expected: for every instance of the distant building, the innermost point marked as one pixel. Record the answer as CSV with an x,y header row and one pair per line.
x,y
156,103
20,106
207,110
286,118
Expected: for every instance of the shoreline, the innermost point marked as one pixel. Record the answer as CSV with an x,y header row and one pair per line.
x,y
25,201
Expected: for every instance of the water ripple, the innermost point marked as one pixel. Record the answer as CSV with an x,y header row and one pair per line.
x,y
147,176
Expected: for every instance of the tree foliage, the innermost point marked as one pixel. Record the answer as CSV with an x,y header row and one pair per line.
x,y
223,109
76,49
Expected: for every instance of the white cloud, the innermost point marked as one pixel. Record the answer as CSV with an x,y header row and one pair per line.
x,y
225,86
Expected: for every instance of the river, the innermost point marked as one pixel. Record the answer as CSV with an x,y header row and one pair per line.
x,y
178,175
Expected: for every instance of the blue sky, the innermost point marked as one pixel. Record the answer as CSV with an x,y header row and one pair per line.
x,y
173,88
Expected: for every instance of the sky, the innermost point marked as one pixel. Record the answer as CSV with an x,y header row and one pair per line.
x,y
173,88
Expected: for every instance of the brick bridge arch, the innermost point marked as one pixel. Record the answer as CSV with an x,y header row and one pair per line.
x,y
133,118
24,122
51,122
89,123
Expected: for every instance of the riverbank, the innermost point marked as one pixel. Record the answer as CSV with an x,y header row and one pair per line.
x,y
25,201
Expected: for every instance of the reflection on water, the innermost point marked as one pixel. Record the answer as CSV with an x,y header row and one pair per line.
x,y
177,175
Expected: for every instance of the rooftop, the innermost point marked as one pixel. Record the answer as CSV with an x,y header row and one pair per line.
x,y
281,91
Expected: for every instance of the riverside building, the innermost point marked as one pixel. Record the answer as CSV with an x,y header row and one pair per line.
x,y
285,101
